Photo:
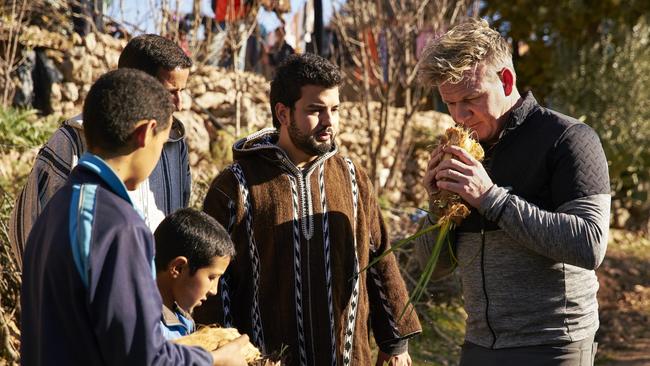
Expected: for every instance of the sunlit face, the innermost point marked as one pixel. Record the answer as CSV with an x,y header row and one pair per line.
x,y
175,82
478,102
190,290
314,120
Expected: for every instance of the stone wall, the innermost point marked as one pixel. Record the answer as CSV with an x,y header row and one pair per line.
x,y
80,64
210,103
209,99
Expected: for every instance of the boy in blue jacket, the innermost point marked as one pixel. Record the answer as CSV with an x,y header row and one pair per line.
x,y
89,296
192,252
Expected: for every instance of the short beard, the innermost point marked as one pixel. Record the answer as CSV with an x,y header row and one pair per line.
x,y
308,143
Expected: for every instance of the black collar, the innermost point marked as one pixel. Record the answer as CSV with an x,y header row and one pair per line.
x,y
520,113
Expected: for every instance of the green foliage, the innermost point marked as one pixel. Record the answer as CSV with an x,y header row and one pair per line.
x,y
544,27
22,129
443,330
9,287
221,149
10,284
22,132
606,85
384,202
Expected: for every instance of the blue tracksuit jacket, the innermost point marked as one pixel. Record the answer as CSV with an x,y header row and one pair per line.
x,y
89,296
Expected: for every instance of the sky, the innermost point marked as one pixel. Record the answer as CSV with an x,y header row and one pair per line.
x,y
139,12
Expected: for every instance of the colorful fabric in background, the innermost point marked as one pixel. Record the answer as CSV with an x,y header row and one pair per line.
x,y
421,41
230,10
383,54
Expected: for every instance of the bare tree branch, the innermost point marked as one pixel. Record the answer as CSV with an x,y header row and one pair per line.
x,y
393,27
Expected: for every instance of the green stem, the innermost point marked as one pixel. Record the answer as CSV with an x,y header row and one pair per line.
x,y
418,291
400,244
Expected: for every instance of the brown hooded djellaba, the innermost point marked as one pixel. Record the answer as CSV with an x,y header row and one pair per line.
x,y
302,236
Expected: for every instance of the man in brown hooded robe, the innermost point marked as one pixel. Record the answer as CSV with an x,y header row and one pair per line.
x,y
305,222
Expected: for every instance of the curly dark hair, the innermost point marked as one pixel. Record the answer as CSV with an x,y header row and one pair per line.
x,y
194,235
151,52
119,99
297,71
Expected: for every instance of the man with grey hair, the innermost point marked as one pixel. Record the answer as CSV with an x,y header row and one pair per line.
x,y
540,208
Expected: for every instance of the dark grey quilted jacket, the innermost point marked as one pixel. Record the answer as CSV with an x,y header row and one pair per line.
x,y
527,256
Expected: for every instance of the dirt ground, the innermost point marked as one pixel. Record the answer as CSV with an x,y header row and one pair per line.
x,y
624,299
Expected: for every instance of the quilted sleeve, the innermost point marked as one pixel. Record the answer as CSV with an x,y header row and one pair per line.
x,y
576,231
578,166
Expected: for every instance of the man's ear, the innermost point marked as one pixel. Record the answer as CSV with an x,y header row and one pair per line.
x,y
507,80
141,132
176,265
283,113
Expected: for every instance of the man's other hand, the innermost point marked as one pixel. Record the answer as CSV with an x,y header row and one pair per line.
x,y
231,354
403,359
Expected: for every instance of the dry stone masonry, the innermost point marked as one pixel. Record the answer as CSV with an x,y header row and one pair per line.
x,y
210,103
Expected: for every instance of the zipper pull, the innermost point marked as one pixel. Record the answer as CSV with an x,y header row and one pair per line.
x,y
482,229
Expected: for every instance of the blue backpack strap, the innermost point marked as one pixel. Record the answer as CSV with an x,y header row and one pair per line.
x,y
82,211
